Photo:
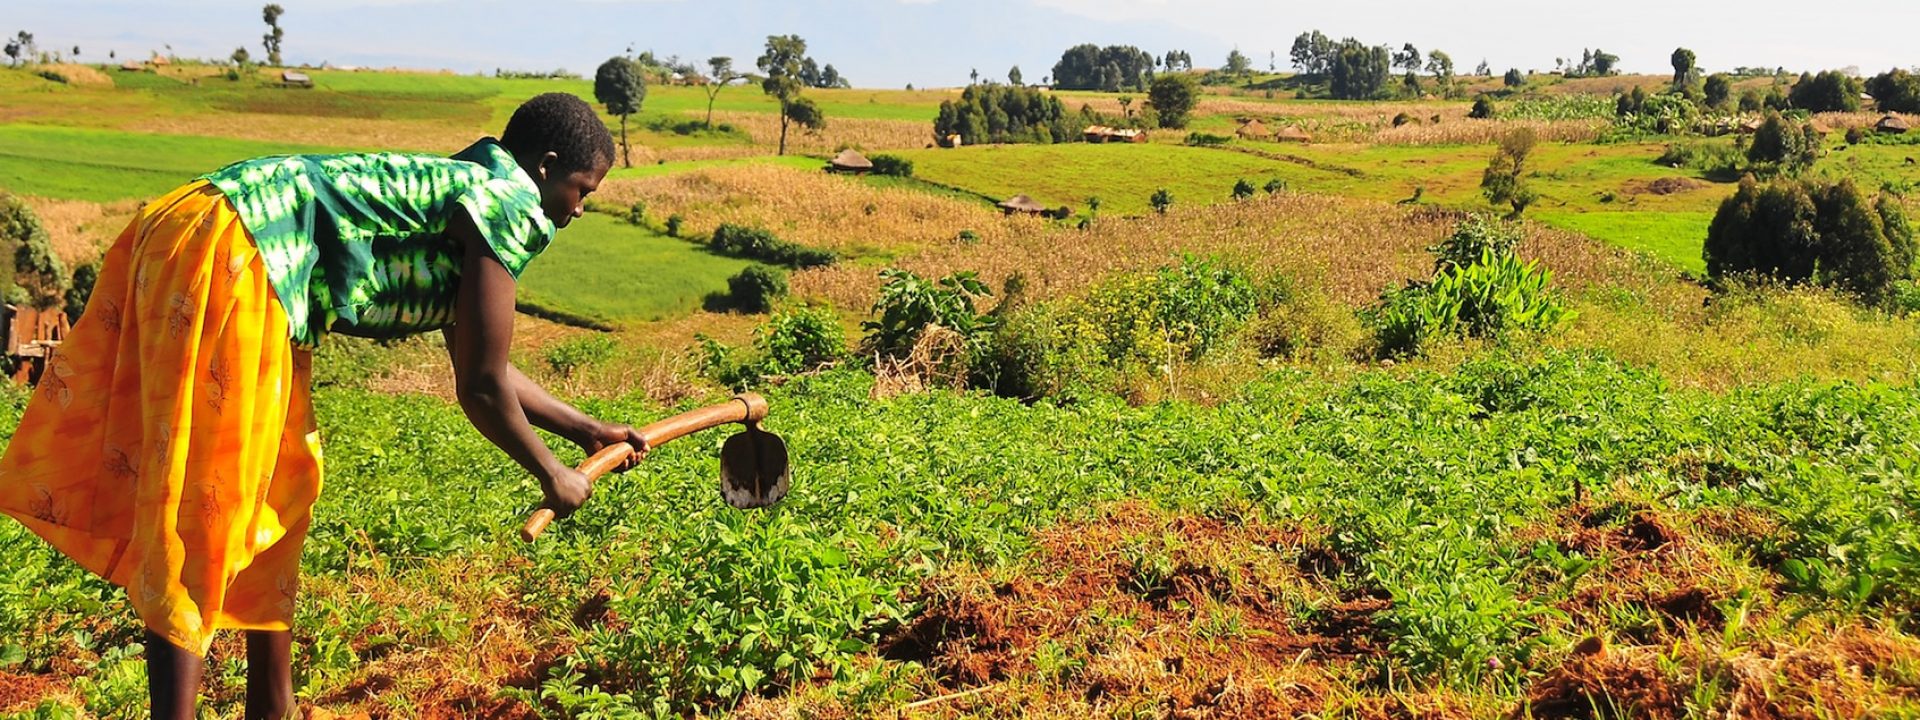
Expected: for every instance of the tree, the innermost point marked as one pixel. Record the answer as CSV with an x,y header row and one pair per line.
x,y
1111,69
1312,53
1802,231
1173,96
1408,58
782,63
1483,70
1013,76
1161,200
1514,78
720,73
1242,189
1896,90
240,56
831,78
1719,92
1440,66
619,86
1359,72
37,270
1007,113
20,44
1783,147
1237,64
1829,91
271,14
1504,181
1686,70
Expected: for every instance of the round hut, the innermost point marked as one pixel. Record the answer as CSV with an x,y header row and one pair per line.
x,y
1022,204
850,161
1892,125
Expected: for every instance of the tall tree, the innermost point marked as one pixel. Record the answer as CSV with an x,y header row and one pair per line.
x,y
785,57
719,75
1686,69
1504,182
271,13
1014,78
1408,58
1237,63
20,44
620,85
1440,66
1173,96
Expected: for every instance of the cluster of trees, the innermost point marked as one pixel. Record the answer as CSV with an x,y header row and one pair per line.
x,y
1595,63
1357,71
1896,90
1007,113
22,44
37,276
271,41
1800,231
1111,69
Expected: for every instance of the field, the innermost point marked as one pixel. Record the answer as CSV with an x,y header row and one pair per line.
x,y
1177,470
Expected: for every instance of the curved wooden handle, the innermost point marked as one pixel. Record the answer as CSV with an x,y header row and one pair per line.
x,y
747,408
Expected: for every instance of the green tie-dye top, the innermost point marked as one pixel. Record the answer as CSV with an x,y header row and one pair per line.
x,y
357,244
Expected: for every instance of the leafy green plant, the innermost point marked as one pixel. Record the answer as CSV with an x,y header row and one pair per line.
x,y
571,355
909,304
800,340
892,165
1497,294
755,288
759,244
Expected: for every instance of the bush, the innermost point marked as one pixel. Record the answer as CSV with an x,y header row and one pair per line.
x,y
800,341
673,225
81,289
755,288
569,356
1472,239
908,304
1200,139
1242,189
1783,146
1495,295
1833,235
637,213
1173,96
1275,185
1161,200
892,166
759,244
1715,160
1301,322
39,278
1482,109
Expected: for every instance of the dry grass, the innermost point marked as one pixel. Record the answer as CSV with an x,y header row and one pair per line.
x,y
81,230
1865,120
812,208
78,75
1611,85
1485,132
340,132
863,133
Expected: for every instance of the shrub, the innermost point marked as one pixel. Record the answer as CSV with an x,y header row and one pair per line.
x,y
1472,239
759,244
1495,295
38,275
799,341
1855,135
673,225
1201,302
81,289
1200,139
1482,108
1300,322
1803,231
1783,146
892,166
1504,181
637,213
569,356
908,304
1715,160
1173,96
1161,200
1275,185
755,288
967,237
1242,189
1039,351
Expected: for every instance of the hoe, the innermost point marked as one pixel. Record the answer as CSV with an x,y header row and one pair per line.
x,y
753,463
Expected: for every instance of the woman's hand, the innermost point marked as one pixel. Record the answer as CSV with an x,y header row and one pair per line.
x,y
605,434
566,492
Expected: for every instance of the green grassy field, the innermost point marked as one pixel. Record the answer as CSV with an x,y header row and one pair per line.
x,y
610,271
1673,237
1122,176
106,165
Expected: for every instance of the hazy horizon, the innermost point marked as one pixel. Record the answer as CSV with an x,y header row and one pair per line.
x,y
936,43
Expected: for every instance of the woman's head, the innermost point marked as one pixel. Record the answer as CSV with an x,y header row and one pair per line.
x,y
562,144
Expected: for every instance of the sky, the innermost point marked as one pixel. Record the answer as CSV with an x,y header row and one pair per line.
x,y
937,43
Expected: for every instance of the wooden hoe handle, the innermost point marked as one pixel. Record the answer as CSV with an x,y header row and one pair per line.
x,y
743,408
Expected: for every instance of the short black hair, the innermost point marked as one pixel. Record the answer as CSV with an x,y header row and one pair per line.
x,y
562,124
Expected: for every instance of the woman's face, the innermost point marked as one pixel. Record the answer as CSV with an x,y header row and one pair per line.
x,y
561,195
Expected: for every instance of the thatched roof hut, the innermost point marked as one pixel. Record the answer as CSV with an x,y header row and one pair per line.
x,y
1751,126
1023,204
1293,134
851,161
1892,125
289,78
1104,134
1254,130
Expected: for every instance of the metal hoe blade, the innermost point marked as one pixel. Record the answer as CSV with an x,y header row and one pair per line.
x,y
753,468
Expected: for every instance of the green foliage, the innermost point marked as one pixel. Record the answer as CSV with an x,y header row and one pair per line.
x,y
1895,90
909,304
783,65
1719,91
1113,68
1200,139
1007,114
760,244
1490,295
1359,72
637,213
1274,185
1663,114
801,340
1161,200
569,356
1298,322
1242,189
1504,182
1686,70
1514,78
755,288
1829,91
1718,160
1833,235
37,270
674,222
1783,147
892,165
1482,108
80,289
1173,96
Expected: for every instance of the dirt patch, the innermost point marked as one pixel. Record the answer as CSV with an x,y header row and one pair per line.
x,y
1661,186
1191,615
1642,557
1603,683
23,691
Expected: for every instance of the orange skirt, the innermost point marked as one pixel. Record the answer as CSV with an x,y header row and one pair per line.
x,y
170,446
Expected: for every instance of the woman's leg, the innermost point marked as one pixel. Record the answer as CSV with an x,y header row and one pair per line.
x,y
173,679
269,675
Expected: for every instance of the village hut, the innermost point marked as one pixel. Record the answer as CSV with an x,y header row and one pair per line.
x,y
850,161
1892,125
1104,134
1751,126
131,66
32,337
1293,134
289,78
1254,130
1023,204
